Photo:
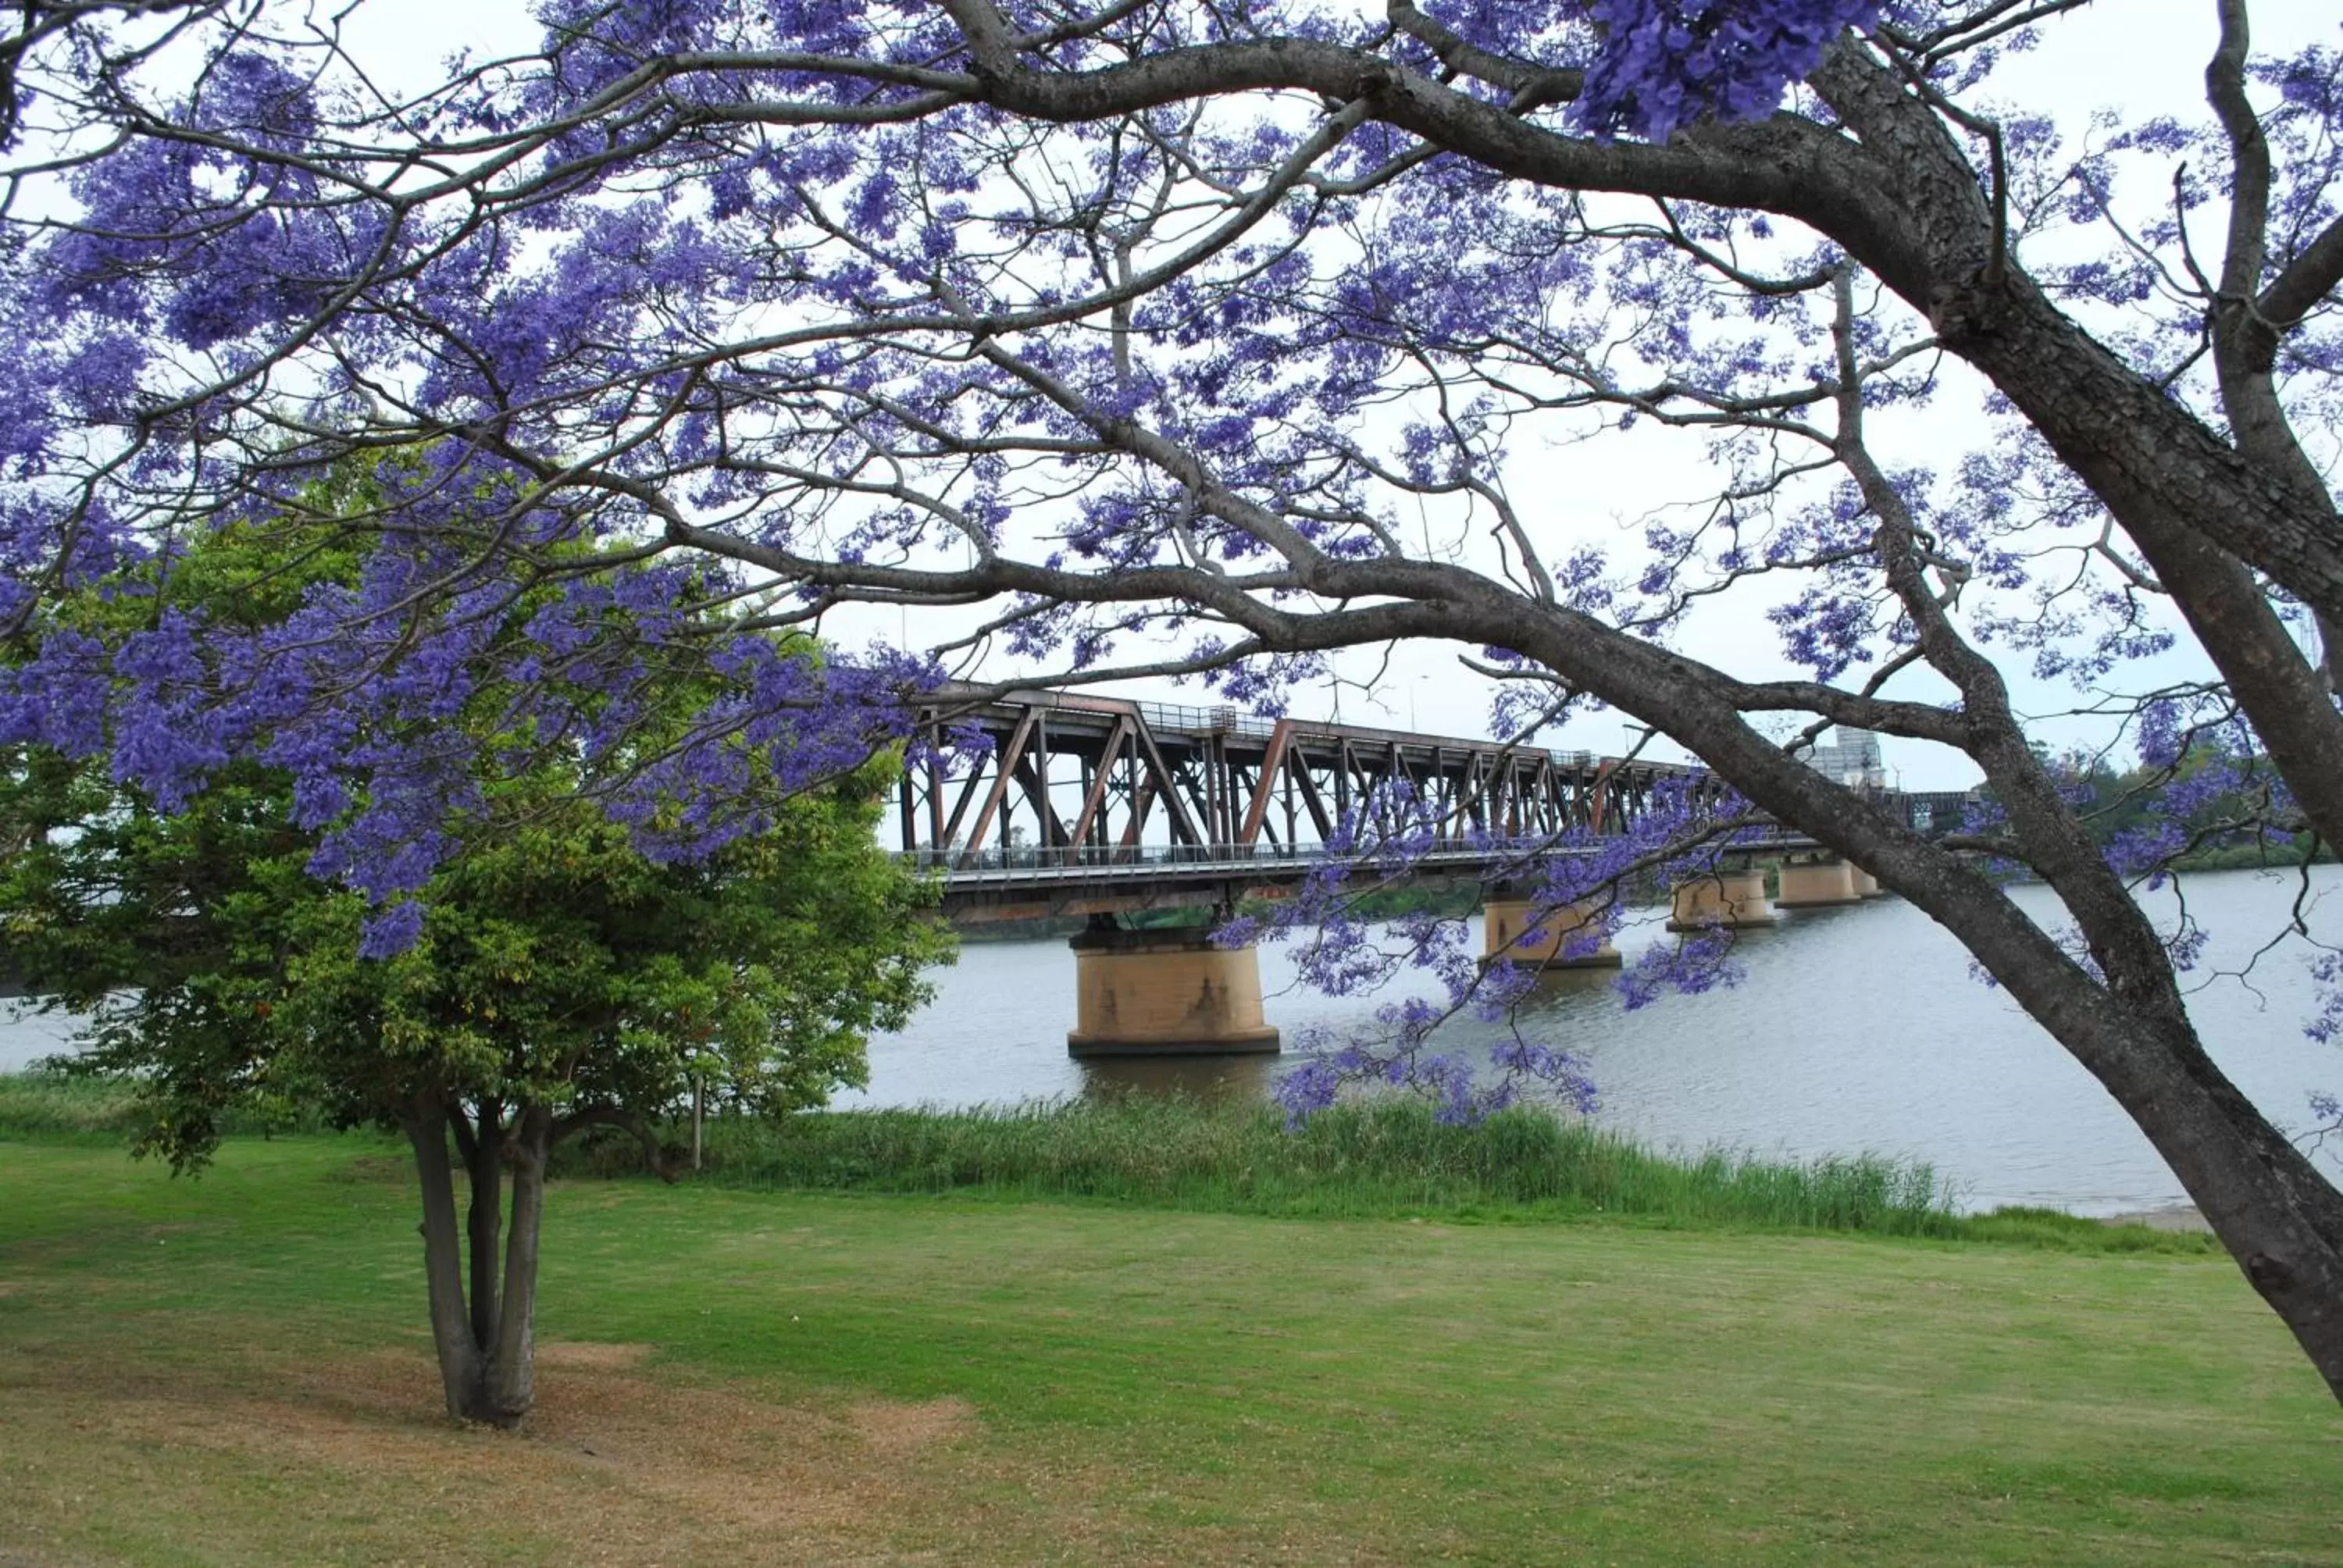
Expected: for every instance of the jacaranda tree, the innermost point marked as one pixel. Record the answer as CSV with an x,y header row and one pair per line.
x,y
562,983
1204,338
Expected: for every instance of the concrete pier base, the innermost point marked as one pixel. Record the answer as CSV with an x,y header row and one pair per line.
x,y
1866,886
1166,993
1732,899
1816,885
1503,921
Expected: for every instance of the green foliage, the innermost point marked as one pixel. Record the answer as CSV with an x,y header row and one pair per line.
x,y
559,967
50,1104
1379,1158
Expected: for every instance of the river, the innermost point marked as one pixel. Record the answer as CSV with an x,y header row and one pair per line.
x,y
1855,1028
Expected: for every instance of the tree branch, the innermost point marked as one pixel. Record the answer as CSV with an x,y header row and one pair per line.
x,y
2312,275
627,1121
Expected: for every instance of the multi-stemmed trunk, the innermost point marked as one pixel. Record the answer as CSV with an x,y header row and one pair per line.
x,y
485,1334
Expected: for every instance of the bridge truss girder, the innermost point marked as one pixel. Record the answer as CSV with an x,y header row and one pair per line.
x,y
1094,778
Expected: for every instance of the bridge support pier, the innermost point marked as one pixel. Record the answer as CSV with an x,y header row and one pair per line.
x,y
1735,899
1503,922
1866,886
1166,993
1816,885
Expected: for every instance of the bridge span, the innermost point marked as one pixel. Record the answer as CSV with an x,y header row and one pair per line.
x,y
1094,806
1112,797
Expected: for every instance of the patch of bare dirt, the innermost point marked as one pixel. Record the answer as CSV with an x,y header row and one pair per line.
x,y
394,1169
629,1468
899,1427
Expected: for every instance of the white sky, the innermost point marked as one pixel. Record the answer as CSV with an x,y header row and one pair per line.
x,y
2143,57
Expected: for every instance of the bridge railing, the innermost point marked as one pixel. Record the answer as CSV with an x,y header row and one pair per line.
x,y
1077,857
1167,717
1077,861
1173,718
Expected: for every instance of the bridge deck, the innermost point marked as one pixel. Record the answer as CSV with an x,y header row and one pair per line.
x,y
1077,799
1018,884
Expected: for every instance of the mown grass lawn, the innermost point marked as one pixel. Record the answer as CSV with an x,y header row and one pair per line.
x,y
235,1370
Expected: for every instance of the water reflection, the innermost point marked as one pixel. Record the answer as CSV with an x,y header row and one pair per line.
x,y
1554,991
1211,1079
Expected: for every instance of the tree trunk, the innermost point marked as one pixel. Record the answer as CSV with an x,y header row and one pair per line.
x,y
486,1337
461,1370
484,1160
514,1375
2279,1219
2163,478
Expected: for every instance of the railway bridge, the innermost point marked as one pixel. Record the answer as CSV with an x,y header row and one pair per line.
x,y
1100,805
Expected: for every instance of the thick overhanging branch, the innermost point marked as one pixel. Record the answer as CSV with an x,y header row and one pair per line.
x,y
633,1123
1914,720
1788,166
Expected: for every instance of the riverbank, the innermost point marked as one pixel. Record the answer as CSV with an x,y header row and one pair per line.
x,y
1853,1028
233,1369
1390,1159
1386,1159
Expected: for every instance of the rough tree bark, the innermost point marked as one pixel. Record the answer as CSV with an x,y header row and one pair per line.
x,y
486,1339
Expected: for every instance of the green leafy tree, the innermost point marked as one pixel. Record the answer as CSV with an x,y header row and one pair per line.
x,y
563,981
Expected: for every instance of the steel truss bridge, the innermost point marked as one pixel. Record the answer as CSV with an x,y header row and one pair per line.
x,y
1089,804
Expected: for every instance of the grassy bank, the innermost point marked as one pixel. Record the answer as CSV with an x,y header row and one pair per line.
x,y
50,1104
234,1370
105,1112
1379,1160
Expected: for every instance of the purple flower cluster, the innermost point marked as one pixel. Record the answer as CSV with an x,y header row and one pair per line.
x,y
2210,787
393,699
1461,1092
827,345
1662,64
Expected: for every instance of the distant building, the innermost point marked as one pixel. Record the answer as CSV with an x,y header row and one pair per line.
x,y
1853,759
